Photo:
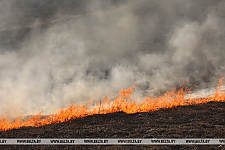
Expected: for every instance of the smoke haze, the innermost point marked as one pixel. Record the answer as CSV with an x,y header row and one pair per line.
x,y
71,51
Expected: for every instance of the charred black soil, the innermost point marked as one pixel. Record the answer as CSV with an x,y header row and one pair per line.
x,y
193,121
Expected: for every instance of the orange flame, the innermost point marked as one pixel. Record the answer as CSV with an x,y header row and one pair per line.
x,y
122,103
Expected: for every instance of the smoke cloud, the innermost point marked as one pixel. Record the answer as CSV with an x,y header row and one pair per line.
x,y
56,52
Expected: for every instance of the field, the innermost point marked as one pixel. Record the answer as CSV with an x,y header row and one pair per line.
x,y
192,121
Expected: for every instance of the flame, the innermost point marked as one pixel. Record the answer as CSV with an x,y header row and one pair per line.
x,y
123,102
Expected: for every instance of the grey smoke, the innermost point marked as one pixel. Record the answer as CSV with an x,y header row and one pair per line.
x,y
111,45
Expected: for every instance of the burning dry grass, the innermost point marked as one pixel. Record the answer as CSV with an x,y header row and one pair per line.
x,y
121,103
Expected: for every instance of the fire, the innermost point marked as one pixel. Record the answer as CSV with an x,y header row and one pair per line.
x,y
121,103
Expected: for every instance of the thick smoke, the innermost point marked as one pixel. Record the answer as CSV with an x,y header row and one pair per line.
x,y
109,45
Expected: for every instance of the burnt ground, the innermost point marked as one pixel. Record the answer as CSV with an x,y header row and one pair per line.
x,y
193,121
